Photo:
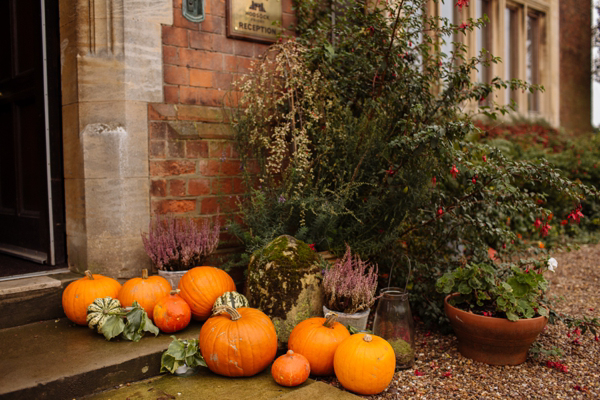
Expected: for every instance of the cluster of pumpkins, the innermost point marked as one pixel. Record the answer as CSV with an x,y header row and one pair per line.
x,y
238,340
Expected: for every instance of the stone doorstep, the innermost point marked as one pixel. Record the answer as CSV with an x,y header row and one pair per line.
x,y
207,386
32,299
56,359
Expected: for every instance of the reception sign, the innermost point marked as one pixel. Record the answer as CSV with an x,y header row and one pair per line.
x,y
257,20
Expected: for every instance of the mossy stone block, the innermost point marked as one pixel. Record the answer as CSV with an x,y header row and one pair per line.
x,y
284,281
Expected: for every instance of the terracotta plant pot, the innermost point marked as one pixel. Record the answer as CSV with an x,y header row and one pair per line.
x,y
495,341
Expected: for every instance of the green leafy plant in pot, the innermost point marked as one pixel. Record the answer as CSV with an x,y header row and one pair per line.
x,y
497,311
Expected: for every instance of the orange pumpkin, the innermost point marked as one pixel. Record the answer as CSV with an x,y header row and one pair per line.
x,y
201,286
172,313
291,369
145,290
364,364
238,342
81,293
317,339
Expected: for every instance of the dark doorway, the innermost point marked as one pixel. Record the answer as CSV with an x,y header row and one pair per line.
x,y
31,185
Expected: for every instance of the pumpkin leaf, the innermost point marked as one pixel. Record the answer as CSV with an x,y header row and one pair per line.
x,y
113,327
138,323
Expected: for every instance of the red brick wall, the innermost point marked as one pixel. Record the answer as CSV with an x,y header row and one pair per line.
x,y
194,167
575,64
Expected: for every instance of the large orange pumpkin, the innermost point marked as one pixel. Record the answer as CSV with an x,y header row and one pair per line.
x,y
317,339
81,293
238,342
172,313
291,369
364,364
145,290
201,286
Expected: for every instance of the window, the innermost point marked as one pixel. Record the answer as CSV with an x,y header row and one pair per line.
x,y
533,59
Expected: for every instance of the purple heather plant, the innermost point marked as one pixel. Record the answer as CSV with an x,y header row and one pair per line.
x,y
177,244
350,284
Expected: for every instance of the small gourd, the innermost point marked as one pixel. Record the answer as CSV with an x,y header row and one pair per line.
x,y
100,310
231,299
172,313
290,369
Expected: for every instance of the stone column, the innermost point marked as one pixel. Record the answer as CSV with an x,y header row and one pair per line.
x,y
111,68
575,64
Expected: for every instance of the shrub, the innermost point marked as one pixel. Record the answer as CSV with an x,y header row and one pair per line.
x,y
355,132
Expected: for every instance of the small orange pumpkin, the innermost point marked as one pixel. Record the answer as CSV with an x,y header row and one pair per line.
x,y
172,313
238,342
291,369
145,290
81,293
317,339
201,286
364,364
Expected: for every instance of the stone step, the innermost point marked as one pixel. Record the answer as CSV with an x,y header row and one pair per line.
x,y
56,359
32,299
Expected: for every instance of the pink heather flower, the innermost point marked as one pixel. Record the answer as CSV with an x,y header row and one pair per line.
x,y
454,171
180,243
349,285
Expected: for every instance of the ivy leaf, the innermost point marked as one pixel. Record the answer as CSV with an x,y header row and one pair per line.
x,y
113,326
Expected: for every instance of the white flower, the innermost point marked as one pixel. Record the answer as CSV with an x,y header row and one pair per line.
x,y
552,264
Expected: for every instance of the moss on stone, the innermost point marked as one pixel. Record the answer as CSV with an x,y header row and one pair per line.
x,y
284,281
404,352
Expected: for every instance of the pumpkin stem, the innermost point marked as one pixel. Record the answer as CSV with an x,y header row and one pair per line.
x,y
330,319
174,292
89,274
144,273
367,338
235,315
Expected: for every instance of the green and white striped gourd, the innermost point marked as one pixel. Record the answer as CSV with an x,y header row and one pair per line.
x,y
232,299
100,310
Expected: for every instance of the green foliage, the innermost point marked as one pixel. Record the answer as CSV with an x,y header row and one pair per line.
x,y
179,353
511,291
131,323
356,132
575,156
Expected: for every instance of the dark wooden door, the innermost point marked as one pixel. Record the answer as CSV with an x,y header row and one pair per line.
x,y
24,205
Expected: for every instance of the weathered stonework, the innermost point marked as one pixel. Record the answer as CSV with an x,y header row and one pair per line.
x,y
284,281
111,67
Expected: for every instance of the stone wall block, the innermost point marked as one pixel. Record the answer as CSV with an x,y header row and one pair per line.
x,y
143,61
100,79
122,257
116,207
73,165
75,196
68,63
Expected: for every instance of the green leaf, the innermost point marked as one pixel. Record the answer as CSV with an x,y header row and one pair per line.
x,y
519,289
512,316
113,326
543,312
464,288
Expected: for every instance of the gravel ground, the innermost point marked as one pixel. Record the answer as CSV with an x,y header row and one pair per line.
x,y
441,372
